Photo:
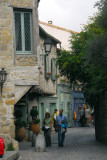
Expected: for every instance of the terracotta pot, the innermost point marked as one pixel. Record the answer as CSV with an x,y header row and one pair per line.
x,y
35,128
21,133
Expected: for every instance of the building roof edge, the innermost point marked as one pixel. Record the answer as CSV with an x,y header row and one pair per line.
x,y
57,27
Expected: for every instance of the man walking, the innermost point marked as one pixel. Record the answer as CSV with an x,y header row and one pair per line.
x,y
62,125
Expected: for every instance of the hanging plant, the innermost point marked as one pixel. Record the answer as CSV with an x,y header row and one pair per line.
x,y
49,73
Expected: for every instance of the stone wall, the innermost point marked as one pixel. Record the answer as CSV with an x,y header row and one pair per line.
x,y
22,70
101,118
48,85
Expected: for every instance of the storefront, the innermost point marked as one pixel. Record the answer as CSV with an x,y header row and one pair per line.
x,y
46,104
64,93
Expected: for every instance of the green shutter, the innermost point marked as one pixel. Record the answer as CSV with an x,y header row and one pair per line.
x,y
46,66
54,69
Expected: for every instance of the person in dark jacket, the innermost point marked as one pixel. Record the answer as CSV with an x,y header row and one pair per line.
x,y
47,125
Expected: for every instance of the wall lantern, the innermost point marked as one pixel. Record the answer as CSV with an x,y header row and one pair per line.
x,y
48,45
3,76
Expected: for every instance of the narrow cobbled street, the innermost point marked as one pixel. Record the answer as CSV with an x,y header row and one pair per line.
x,y
80,144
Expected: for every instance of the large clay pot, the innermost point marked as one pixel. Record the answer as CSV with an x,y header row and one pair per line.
x,y
21,133
35,128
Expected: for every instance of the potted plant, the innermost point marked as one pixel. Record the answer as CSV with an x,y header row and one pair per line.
x,y
20,125
49,73
35,127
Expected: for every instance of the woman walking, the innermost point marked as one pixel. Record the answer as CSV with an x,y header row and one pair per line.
x,y
47,128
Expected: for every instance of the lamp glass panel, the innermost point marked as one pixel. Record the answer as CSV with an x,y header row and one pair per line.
x,y
3,76
48,47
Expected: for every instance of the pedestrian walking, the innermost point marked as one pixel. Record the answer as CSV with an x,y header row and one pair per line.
x,y
82,117
47,128
62,125
54,119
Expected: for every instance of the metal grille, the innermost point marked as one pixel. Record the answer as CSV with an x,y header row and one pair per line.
x,y
27,28
18,32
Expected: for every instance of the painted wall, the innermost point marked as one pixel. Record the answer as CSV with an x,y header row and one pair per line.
x,y
64,94
46,104
77,101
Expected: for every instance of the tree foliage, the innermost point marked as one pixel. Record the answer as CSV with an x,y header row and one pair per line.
x,y
87,61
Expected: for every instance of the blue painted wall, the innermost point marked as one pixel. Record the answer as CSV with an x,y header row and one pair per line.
x,y
77,101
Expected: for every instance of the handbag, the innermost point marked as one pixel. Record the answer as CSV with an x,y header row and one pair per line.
x,y
43,128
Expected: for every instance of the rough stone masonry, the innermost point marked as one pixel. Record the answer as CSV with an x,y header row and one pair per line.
x,y
19,68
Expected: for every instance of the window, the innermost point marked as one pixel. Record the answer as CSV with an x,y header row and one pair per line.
x,y
23,31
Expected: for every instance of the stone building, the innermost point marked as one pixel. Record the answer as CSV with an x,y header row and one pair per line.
x,y
19,36
30,72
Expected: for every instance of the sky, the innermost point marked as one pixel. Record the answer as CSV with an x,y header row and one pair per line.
x,y
69,14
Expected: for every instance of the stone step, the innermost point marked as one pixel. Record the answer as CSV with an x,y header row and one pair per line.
x,y
10,155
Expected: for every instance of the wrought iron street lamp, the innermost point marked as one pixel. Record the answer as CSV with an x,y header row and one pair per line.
x,y
48,45
3,76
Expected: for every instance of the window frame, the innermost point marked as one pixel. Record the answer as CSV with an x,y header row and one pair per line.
x,y
22,12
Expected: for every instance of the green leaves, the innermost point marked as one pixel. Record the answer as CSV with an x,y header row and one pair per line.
x,y
87,62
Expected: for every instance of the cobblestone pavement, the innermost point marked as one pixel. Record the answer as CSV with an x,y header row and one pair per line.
x,y
80,144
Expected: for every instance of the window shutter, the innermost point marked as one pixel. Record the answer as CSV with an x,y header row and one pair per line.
x,y
54,69
46,66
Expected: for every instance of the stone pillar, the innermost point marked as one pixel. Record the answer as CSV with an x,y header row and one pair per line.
x,y
40,145
7,127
